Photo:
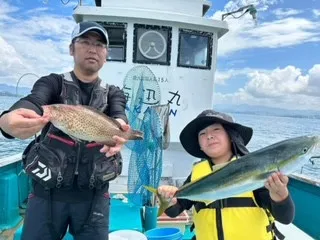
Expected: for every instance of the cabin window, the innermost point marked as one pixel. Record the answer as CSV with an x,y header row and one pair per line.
x,y
117,33
152,44
195,49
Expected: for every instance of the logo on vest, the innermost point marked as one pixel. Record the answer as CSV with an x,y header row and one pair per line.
x,y
42,172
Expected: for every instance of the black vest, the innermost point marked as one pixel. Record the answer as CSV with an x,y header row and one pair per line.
x,y
56,160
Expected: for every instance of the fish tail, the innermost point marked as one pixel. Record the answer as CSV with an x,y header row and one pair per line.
x,y
135,135
163,203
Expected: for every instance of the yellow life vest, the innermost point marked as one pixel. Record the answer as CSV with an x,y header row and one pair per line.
x,y
240,219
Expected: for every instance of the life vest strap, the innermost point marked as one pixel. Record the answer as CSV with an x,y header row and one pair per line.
x,y
272,227
228,202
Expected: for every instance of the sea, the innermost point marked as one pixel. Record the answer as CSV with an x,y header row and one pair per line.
x,y
267,130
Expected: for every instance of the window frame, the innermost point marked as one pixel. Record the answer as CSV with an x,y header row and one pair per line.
x,y
209,35
114,25
135,43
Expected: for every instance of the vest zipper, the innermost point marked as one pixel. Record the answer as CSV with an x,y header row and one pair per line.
x,y
219,222
92,179
76,172
59,177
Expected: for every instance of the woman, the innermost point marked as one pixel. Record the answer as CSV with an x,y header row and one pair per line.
x,y
217,139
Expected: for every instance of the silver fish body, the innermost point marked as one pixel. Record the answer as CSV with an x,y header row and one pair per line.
x,y
86,123
251,171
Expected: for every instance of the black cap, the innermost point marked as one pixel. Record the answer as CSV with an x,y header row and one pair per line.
x,y
84,27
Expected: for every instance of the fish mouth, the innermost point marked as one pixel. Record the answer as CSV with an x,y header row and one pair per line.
x,y
316,147
314,150
46,110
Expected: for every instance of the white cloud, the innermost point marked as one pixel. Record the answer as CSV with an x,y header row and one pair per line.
x,y
37,10
5,9
314,80
223,76
260,4
244,34
285,12
36,42
285,88
278,33
277,83
316,12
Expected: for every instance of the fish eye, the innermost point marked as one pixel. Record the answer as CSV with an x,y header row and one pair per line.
x,y
305,150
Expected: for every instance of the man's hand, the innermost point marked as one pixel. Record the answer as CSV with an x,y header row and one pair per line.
x,y
277,186
110,151
22,123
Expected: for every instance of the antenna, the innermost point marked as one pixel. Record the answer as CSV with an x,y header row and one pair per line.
x,y
248,9
17,86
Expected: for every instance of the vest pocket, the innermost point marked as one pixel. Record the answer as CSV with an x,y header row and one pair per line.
x,y
106,169
43,165
99,170
84,171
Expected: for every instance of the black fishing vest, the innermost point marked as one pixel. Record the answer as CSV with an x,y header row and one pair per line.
x,y
55,160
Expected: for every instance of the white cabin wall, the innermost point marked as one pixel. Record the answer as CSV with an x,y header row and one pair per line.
x,y
195,88
188,7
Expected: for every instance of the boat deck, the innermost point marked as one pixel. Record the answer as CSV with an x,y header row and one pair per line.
x,y
12,167
128,211
291,232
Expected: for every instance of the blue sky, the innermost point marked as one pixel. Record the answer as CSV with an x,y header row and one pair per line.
x,y
273,63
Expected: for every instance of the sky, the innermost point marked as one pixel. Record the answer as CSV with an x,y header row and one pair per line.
x,y
271,62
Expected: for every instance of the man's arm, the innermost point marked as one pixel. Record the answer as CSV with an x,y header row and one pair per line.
x,y
116,104
24,117
116,109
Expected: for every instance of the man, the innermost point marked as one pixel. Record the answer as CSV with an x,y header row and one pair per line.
x,y
78,198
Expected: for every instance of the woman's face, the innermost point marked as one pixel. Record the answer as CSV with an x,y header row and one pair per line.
x,y
214,141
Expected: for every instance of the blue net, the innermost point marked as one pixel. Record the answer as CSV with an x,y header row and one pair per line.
x,y
142,90
145,165
143,110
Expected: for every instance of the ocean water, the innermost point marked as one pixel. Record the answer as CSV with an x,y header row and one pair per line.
x,y
267,130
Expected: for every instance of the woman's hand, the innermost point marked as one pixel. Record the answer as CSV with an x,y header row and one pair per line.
x,y
277,186
168,192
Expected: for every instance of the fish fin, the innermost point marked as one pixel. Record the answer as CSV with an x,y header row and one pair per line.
x,y
164,204
207,202
264,176
214,169
219,166
115,122
77,140
109,143
136,134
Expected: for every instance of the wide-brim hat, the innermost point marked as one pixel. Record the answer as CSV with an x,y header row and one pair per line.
x,y
189,135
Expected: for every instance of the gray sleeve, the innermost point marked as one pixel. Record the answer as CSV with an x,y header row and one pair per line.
x,y
283,211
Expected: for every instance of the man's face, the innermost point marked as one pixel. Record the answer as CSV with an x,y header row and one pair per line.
x,y
89,52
